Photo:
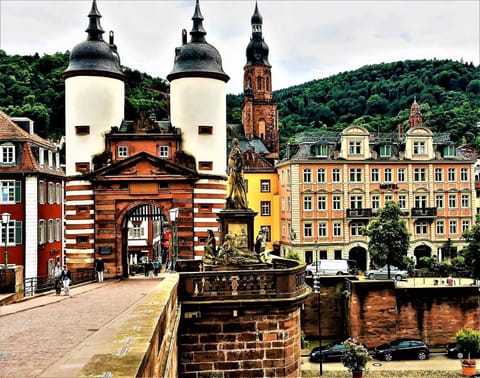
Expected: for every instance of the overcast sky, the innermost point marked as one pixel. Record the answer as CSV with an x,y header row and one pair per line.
x,y
307,39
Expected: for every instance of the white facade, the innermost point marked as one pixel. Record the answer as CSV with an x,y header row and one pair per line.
x,y
92,101
195,102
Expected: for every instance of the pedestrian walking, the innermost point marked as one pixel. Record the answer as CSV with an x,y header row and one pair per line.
x,y
156,265
99,268
57,276
150,269
67,279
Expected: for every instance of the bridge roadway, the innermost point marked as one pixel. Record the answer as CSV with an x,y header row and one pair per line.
x,y
54,336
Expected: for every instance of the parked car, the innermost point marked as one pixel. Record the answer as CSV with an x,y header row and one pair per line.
x,y
454,352
328,353
327,267
382,273
403,349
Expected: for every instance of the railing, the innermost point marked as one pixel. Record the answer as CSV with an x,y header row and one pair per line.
x,y
424,211
41,284
359,213
248,284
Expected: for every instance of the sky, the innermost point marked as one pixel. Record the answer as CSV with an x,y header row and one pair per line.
x,y
307,39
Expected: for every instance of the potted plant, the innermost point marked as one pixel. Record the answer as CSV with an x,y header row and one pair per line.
x,y
468,341
356,357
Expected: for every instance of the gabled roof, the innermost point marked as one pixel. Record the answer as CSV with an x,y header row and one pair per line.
x,y
10,131
254,162
144,165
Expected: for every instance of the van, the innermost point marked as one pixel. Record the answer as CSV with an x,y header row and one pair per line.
x,y
330,268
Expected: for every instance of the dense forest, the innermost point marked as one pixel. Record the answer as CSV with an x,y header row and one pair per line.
x,y
376,96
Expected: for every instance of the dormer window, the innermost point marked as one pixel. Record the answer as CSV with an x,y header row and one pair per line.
x,y
354,148
385,151
449,151
7,153
419,148
320,150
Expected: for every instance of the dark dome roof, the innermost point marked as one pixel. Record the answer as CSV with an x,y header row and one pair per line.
x,y
197,58
257,52
94,56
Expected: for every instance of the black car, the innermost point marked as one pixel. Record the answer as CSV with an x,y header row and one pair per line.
x,y
402,349
328,353
454,352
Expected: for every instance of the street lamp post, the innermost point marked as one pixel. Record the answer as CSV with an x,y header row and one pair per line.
x,y
5,222
316,288
173,220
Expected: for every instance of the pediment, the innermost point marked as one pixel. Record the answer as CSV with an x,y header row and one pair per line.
x,y
419,131
356,130
254,161
145,165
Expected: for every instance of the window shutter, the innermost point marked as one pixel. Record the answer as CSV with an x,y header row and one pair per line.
x,y
18,191
18,232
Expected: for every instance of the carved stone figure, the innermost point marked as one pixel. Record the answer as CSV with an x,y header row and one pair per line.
x,y
210,253
236,191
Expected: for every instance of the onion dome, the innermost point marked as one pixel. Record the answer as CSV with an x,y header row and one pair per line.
x,y
257,49
95,57
197,58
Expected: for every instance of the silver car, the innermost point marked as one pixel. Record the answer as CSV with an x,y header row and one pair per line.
x,y
382,273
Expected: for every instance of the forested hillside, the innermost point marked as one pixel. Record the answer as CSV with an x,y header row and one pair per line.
x,y
377,96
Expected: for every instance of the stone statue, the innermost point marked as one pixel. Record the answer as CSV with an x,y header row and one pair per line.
x,y
236,191
210,249
261,247
229,254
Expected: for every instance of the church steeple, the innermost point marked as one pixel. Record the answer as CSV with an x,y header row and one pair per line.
x,y
94,29
257,49
198,32
415,118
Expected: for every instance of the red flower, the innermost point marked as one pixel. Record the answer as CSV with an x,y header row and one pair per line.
x,y
469,362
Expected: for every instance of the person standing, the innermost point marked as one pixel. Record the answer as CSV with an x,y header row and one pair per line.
x,y
66,278
57,275
155,267
99,268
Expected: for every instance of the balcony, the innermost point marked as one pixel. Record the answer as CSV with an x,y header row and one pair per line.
x,y
286,281
359,213
424,212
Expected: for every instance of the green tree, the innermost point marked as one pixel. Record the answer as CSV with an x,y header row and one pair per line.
x,y
471,252
389,239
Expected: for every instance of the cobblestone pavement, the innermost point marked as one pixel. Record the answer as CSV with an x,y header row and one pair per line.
x,y
37,332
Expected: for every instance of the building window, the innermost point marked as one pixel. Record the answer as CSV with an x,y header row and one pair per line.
x,y
50,159
336,175
356,229
439,201
337,203
375,202
419,175
453,227
82,240
419,148
387,175
9,231
321,175
7,153
282,203
136,231
402,201
464,174
51,192
337,230
421,201
42,232
452,201
307,230
449,151
307,175
438,174
205,165
259,83
82,130
205,130
451,174
307,203
385,151
440,227
163,152
122,151
268,233
356,202
401,174
265,208
465,225
58,229
265,186
82,167
465,201
322,230
8,191
320,150
322,203
58,193
355,174
50,231
421,228
289,204
388,197
354,148
375,175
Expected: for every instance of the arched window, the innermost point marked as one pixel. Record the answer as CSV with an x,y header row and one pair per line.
x,y
259,83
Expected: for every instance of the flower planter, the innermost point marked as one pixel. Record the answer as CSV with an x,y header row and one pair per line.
x,y
469,370
357,373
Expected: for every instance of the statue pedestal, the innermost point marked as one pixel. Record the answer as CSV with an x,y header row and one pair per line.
x,y
239,223
230,268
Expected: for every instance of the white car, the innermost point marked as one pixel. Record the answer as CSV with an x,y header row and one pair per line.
x,y
382,273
